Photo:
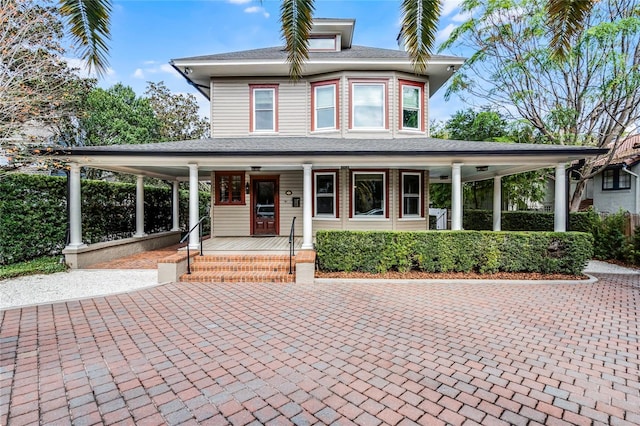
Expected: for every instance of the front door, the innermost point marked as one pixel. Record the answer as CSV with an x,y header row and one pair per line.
x,y
264,202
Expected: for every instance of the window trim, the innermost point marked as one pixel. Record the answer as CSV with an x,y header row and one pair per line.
x,y
324,37
385,103
420,174
352,189
616,180
218,176
336,193
336,105
421,103
252,111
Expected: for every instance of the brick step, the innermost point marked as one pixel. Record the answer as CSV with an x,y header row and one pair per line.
x,y
242,266
238,277
243,258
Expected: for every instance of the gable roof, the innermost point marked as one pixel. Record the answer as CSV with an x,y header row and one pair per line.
x,y
628,153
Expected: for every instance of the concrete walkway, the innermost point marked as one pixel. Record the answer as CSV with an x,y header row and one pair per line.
x,y
368,354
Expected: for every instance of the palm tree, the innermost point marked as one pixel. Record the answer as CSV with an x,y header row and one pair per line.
x,y
419,25
88,22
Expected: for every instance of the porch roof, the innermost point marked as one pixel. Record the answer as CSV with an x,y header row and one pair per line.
x,y
481,160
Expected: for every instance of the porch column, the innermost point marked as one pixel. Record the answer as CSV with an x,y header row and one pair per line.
x,y
497,203
456,197
175,204
193,207
139,206
560,202
75,210
307,229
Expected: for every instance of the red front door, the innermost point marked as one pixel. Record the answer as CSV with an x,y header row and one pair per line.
x,y
264,203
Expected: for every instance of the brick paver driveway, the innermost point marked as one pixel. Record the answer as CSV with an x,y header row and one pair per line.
x,y
329,354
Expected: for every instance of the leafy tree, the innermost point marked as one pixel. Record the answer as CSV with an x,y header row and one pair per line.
x,y
177,114
117,116
591,97
488,125
38,90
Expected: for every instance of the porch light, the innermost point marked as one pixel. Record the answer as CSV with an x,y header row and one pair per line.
x,y
246,188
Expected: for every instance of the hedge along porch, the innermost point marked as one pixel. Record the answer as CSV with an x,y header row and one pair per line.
x,y
294,167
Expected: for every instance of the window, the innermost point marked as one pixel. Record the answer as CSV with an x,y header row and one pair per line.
x,y
324,105
368,105
264,108
614,179
369,196
412,99
411,194
322,43
229,188
326,194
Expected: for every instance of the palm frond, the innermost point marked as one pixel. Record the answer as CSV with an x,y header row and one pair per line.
x,y
566,18
88,22
297,18
419,26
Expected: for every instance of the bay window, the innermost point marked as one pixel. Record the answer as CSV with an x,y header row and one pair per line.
x,y
368,105
411,100
369,197
325,191
324,105
411,195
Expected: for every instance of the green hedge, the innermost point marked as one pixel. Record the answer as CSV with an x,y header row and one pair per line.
x,y
33,213
454,251
482,220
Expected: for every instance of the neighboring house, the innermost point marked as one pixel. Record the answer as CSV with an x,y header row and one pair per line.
x,y
616,187
345,147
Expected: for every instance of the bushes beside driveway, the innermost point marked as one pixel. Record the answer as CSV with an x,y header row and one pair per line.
x,y
454,251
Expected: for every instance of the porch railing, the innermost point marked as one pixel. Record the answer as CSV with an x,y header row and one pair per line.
x,y
186,237
291,246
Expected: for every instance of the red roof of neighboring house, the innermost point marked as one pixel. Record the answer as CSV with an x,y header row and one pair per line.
x,y
628,152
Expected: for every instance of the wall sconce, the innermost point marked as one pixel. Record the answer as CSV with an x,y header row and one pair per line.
x,y
246,188
451,68
187,71
289,192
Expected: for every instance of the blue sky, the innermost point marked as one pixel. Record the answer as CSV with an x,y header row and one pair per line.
x,y
147,34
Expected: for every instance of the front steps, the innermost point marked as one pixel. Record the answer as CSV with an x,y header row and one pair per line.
x,y
241,268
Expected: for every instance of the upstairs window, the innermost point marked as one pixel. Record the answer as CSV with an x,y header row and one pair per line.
x,y
411,194
369,105
326,194
264,108
411,99
322,43
229,188
614,179
324,105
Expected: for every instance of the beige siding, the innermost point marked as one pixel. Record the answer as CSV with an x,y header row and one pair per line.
x,y
230,221
290,181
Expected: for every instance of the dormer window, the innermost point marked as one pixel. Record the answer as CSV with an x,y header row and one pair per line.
x,y
323,43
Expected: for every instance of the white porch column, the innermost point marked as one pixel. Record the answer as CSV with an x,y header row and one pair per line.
x,y
175,204
194,216
307,225
456,197
497,203
139,207
560,202
75,209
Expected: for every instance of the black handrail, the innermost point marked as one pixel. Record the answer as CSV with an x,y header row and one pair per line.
x,y
187,236
291,247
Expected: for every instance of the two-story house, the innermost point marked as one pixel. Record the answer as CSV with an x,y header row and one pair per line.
x,y
345,147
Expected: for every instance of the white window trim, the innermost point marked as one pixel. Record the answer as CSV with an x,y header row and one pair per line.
x,y
383,86
315,110
402,195
420,112
383,216
255,109
334,194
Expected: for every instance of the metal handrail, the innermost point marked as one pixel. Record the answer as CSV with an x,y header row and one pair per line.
x,y
187,236
291,247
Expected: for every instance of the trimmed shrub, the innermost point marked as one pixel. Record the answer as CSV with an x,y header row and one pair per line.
x,y
522,220
454,251
33,213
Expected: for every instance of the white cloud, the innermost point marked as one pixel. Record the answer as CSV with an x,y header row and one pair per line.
x,y
461,17
138,73
149,62
257,9
444,33
239,1
449,6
